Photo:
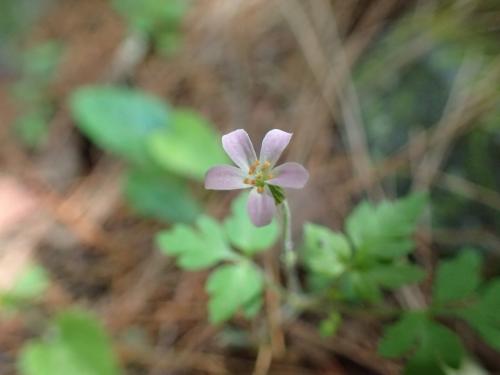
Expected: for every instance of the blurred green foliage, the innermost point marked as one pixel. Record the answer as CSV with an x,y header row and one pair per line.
x,y
405,81
459,291
161,20
77,344
37,69
189,146
120,120
160,195
164,147
370,257
29,287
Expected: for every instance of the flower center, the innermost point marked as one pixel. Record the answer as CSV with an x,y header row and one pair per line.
x,y
258,174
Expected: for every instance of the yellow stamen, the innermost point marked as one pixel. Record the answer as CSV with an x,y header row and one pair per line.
x,y
266,165
249,181
260,189
253,167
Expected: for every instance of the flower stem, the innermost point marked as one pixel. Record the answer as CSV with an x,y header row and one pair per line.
x,y
289,255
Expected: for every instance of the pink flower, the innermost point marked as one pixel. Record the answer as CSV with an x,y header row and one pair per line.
x,y
258,174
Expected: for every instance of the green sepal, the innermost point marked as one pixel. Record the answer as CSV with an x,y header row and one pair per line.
x,y
278,193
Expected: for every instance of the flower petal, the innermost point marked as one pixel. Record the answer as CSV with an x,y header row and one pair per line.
x,y
224,177
289,175
238,146
273,144
261,207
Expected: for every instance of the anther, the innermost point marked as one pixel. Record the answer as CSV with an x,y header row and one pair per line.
x,y
249,181
260,189
266,165
253,167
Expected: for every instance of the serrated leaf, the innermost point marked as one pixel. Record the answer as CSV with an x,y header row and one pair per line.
x,y
161,196
395,275
457,278
483,316
385,230
80,346
355,285
435,345
325,252
196,249
119,120
447,345
243,234
401,337
231,287
190,147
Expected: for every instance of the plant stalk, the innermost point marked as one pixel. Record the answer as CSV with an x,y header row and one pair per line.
x,y
289,255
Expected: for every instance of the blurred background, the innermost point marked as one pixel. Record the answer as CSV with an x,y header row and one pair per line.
x,y
383,97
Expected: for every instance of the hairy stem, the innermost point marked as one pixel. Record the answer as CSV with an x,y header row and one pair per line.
x,y
289,255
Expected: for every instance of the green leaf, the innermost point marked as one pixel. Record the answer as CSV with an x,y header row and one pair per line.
x,y
438,346
152,15
435,345
161,196
329,326
79,347
190,147
231,287
355,285
245,235
400,337
385,230
483,316
119,120
253,307
38,358
457,278
447,345
325,252
31,285
196,249
395,275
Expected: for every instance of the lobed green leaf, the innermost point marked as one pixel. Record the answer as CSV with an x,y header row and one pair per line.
x,y
232,287
457,278
325,252
196,249
385,230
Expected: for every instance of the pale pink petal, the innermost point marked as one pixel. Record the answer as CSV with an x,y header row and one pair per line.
x,y
261,207
238,146
273,144
224,177
289,175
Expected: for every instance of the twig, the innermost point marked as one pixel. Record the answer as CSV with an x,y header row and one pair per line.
x,y
470,190
338,81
